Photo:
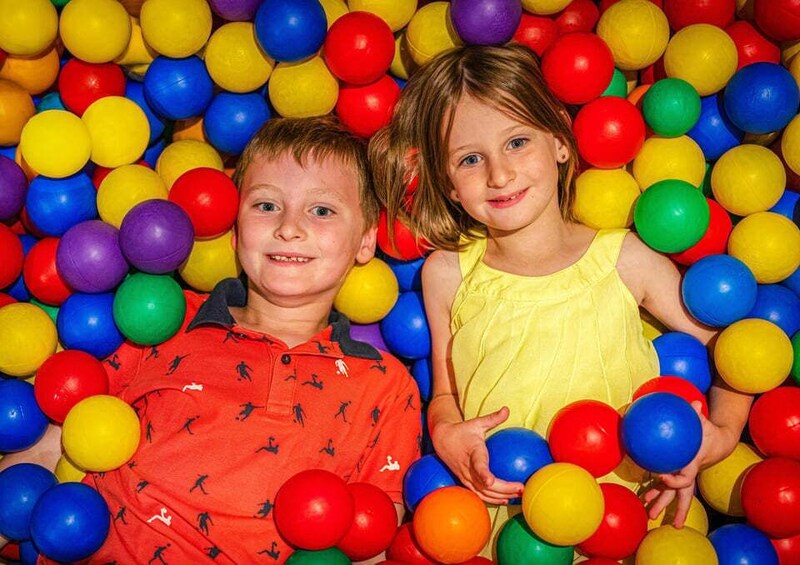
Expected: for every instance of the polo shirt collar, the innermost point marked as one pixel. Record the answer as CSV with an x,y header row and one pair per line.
x,y
232,292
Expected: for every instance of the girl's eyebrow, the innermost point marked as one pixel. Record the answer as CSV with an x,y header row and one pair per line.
x,y
505,131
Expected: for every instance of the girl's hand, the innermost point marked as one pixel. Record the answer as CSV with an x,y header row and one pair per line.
x,y
462,447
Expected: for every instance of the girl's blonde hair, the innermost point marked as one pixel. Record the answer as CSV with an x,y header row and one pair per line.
x,y
416,141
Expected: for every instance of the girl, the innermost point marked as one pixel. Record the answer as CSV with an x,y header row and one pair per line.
x,y
528,310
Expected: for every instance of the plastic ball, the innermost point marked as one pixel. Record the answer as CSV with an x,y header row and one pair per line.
x,y
41,275
80,84
719,290
119,131
780,19
636,31
303,89
313,509
55,143
714,132
11,256
95,31
753,355
786,204
149,309
668,544
452,524
86,322
517,543
430,32
124,188
235,10
703,55
751,45
405,247
156,236
517,453
544,7
771,497
485,22
696,518
232,119
369,292
405,327
16,108
330,556
623,527
673,385
790,145
408,273
374,523
536,32
290,30
740,543
89,257
209,198
234,59
176,28
23,422
185,155
359,48
405,548
605,198
768,243
55,205
671,107
70,522
681,13
779,305
424,476
669,158
422,372
748,179
27,28
774,422
50,101
788,549
365,109
396,13
714,241
35,74
135,91
210,261
610,132
27,338
178,89
578,67
21,485
66,471
371,334
720,484
66,378
761,98
671,216
579,15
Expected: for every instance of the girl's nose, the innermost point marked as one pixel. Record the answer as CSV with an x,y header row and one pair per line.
x,y
501,172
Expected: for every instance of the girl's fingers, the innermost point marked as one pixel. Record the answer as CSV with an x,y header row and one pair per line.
x,y
507,488
492,420
661,503
684,502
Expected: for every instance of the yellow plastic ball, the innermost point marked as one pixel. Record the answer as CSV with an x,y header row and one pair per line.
x,y
794,68
790,144
703,55
720,484
27,338
664,158
753,355
768,243
234,59
55,143
368,292
334,9
563,503
176,28
668,544
137,54
27,27
119,131
96,31
35,74
431,32
183,155
100,433
68,472
16,108
636,31
125,187
544,7
210,261
605,198
697,518
748,179
402,63
396,13
789,49
303,89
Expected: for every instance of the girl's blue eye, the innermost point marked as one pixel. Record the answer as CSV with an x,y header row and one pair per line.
x,y
518,142
321,211
266,206
469,160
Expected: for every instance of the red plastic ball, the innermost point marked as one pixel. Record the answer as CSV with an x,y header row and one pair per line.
x,y
714,241
405,548
66,378
28,225
3,56
81,83
586,433
682,13
579,15
406,247
771,497
100,173
209,198
40,274
600,561
11,256
578,67
779,19
788,549
374,523
775,422
6,299
609,131
652,73
675,385
359,48
537,33
365,109
751,45
623,527
313,509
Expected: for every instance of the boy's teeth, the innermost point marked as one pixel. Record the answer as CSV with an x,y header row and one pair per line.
x,y
289,259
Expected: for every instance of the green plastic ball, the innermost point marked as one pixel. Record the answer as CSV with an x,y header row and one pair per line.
x,y
330,556
671,107
671,216
796,364
516,543
618,86
149,309
52,311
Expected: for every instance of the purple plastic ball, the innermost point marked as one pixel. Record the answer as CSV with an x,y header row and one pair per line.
x,y
13,186
486,22
156,236
235,10
369,333
89,258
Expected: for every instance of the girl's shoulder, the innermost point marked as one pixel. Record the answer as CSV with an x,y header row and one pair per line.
x,y
441,276
638,264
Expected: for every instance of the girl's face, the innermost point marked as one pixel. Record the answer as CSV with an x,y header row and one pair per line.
x,y
504,172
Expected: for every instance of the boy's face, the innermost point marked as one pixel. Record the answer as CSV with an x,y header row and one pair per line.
x,y
300,229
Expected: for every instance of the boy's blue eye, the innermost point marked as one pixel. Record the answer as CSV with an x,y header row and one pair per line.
x,y
518,142
266,206
321,211
470,160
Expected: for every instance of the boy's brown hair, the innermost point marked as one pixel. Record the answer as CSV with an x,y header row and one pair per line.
x,y
508,78
322,137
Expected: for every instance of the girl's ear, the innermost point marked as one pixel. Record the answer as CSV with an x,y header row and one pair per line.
x,y
562,151
454,195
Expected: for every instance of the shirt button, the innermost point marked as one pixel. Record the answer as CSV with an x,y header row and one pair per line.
x,y
286,359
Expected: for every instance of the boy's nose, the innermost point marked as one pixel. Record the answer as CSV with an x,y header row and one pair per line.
x,y
500,172
290,227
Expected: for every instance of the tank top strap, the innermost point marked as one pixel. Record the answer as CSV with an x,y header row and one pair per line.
x,y
606,247
471,255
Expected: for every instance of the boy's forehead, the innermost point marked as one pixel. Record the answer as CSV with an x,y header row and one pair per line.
x,y
284,171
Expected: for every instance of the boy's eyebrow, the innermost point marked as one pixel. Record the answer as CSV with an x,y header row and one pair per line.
x,y
316,192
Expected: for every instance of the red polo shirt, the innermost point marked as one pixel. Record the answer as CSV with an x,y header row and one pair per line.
x,y
228,414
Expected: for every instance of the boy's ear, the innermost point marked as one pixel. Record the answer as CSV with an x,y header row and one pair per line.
x,y
234,237
366,250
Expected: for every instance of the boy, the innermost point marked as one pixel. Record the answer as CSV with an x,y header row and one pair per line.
x,y
263,380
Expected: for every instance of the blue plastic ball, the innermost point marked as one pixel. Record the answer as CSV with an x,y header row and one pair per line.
x,y
740,544
714,132
405,327
761,98
517,453
18,289
232,119
134,90
55,205
22,422
787,205
70,522
779,305
792,282
86,322
28,555
719,290
153,152
408,273
291,30
423,373
424,476
21,485
683,355
50,101
661,432
9,151
178,89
